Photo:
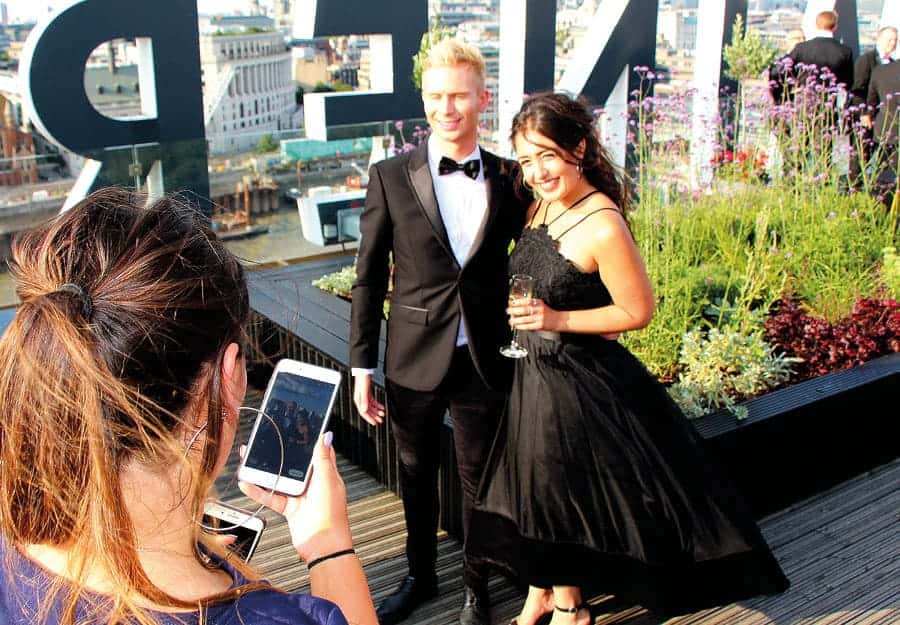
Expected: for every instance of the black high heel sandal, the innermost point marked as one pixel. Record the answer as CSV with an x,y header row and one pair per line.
x,y
573,611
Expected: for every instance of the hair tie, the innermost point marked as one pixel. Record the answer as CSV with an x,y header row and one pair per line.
x,y
87,306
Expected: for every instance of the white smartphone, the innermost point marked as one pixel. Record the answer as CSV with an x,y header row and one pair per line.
x,y
298,402
246,528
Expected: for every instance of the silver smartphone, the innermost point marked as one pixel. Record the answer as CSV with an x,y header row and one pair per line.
x,y
298,404
246,528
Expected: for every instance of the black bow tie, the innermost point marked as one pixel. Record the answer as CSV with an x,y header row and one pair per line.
x,y
469,168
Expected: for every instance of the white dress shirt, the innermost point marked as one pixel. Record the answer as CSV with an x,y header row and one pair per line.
x,y
462,202
463,205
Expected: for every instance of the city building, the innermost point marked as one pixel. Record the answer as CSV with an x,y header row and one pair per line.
x,y
17,163
455,12
248,89
224,24
283,13
309,65
679,30
485,35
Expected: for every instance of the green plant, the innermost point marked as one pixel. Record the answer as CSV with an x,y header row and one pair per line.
x,y
434,34
722,367
748,54
266,144
340,282
890,271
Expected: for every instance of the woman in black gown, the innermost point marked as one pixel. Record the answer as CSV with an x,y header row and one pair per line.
x,y
597,482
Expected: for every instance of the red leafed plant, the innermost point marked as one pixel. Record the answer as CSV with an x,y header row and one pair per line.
x,y
872,329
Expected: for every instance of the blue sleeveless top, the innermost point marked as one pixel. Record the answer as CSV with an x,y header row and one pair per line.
x,y
23,581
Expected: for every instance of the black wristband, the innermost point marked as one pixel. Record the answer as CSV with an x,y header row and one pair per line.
x,y
336,554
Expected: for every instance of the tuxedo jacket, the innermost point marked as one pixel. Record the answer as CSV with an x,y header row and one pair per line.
x,y
884,99
862,73
432,293
826,52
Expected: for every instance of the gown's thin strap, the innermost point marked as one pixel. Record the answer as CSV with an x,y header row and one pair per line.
x,y
605,208
570,207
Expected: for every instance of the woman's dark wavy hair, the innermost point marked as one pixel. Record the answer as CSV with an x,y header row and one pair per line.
x,y
567,121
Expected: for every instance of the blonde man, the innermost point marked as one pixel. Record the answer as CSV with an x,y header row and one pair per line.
x,y
447,211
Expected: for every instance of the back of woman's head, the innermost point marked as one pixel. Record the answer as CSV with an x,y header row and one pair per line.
x,y
568,122
125,312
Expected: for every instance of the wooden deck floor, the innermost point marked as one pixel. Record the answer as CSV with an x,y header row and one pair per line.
x,y
841,550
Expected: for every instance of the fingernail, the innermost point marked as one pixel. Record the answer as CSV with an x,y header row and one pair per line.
x,y
328,438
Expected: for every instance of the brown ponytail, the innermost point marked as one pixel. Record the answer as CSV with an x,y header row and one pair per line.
x,y
125,314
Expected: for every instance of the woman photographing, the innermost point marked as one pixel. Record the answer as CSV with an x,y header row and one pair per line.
x,y
121,378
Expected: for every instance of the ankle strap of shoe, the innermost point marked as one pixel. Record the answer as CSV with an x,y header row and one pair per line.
x,y
568,610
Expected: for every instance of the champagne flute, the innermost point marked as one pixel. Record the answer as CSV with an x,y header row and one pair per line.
x,y
521,286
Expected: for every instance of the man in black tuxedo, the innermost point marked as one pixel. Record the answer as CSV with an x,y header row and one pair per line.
x,y
825,52
884,103
812,58
447,211
861,142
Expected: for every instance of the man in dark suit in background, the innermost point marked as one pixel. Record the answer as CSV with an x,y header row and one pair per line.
x,y
861,142
819,110
884,104
447,211
825,52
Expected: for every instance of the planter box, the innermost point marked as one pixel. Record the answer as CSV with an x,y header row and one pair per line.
x,y
796,441
805,438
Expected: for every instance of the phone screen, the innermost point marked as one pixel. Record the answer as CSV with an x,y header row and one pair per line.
x,y
297,405
245,538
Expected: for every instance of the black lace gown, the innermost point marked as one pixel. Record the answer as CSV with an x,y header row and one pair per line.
x,y
596,479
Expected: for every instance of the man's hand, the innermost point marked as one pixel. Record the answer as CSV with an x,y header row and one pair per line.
x,y
364,398
866,121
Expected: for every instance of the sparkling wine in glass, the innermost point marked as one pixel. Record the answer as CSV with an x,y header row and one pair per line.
x,y
521,286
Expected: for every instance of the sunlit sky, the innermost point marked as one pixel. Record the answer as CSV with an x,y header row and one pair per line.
x,y
30,10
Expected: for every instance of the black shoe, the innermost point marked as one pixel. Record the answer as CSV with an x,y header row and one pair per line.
x,y
409,595
476,608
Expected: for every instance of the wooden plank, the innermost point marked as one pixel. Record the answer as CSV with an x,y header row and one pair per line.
x,y
841,550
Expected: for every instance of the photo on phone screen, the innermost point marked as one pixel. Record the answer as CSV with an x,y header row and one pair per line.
x,y
246,528
298,406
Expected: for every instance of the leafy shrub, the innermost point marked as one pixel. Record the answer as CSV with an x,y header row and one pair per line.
x,y
748,54
871,330
890,271
724,367
340,282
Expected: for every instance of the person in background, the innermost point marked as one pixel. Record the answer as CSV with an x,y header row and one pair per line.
x,y
862,144
121,378
779,71
883,118
446,212
825,52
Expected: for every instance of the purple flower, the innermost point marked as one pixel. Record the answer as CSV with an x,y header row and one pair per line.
x,y
831,215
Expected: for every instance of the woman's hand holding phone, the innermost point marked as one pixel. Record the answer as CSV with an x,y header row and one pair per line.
x,y
317,519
